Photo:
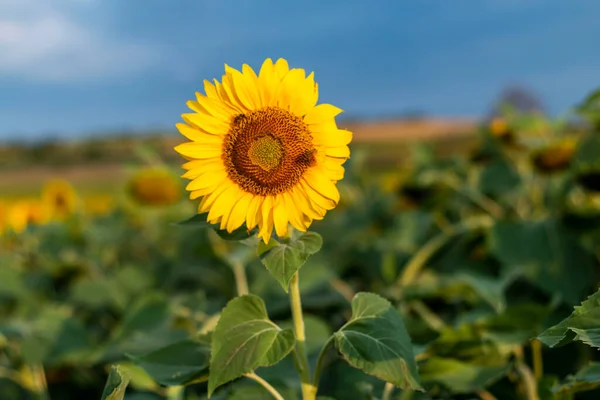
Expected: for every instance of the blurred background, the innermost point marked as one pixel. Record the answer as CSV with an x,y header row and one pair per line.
x,y
474,120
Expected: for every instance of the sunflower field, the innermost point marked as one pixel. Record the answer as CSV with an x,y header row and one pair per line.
x,y
474,276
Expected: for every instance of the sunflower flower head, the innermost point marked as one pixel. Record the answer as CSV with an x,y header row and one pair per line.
x,y
60,198
555,157
156,186
500,128
262,152
27,212
3,217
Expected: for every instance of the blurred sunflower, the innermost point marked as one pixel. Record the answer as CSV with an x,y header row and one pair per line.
x,y
27,212
3,216
155,187
60,198
262,152
500,129
556,156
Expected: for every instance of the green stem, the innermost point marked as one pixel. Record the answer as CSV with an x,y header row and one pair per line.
x,y
538,363
309,391
39,377
529,382
388,389
414,265
320,359
266,385
175,393
241,282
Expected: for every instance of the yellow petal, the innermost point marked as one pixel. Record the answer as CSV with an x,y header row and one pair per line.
x,y
198,150
294,213
281,68
290,90
321,184
213,165
215,108
267,81
280,216
210,90
198,136
238,213
201,192
207,179
332,137
338,152
229,88
251,82
252,213
226,200
210,198
301,200
207,123
196,164
321,113
243,91
266,221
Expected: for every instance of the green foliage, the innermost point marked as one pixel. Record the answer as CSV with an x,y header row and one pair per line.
x,y
583,324
478,255
375,341
460,376
179,363
283,260
244,340
586,379
116,385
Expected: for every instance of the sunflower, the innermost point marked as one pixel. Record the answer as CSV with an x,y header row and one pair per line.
x,y
556,156
27,212
155,187
262,152
3,216
60,198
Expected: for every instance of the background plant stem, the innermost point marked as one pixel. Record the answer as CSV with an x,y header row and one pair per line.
x,y
266,385
309,391
241,282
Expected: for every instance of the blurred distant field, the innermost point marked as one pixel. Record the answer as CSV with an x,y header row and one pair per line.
x,y
99,165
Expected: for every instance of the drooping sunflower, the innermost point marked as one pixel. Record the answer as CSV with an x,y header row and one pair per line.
x,y
262,152
556,156
60,198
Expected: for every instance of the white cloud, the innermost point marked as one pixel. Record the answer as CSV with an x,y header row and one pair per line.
x,y
41,41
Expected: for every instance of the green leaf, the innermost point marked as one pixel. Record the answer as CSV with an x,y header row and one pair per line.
x,y
546,253
583,325
244,340
588,378
138,378
179,363
459,376
240,233
116,384
376,342
197,221
498,178
284,259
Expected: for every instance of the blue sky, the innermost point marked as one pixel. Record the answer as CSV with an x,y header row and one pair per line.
x,y
69,67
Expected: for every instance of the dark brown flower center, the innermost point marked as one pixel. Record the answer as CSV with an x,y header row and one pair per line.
x,y
267,151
